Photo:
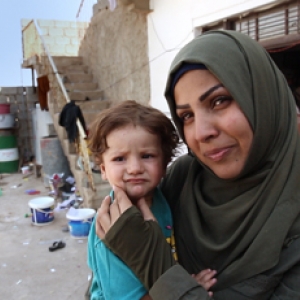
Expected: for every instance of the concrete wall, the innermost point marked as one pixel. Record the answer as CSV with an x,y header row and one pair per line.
x,y
22,101
62,38
115,48
171,26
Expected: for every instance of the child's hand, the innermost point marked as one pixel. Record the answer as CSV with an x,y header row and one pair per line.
x,y
206,279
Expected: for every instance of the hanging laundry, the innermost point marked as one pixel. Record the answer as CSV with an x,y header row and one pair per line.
x,y
68,117
43,89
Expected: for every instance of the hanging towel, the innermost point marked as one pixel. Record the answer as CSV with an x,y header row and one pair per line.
x,y
43,89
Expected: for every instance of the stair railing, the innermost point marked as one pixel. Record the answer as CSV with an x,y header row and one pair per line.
x,y
82,135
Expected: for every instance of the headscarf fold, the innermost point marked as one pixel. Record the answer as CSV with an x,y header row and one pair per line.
x,y
239,226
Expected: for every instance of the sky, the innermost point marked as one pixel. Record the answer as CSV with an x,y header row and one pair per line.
x,y
11,13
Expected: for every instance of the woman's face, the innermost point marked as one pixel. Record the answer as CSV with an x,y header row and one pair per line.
x,y
214,127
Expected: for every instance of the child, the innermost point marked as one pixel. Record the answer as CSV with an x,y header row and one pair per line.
x,y
133,144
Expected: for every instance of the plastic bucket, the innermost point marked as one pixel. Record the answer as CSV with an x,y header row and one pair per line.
x,y
7,121
42,210
80,221
9,154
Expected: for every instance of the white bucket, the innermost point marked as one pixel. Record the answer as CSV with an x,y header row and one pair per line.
x,y
80,221
42,210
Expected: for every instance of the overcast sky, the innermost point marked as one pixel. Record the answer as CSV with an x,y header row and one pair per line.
x,y
11,13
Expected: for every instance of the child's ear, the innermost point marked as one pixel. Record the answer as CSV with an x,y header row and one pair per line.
x,y
103,173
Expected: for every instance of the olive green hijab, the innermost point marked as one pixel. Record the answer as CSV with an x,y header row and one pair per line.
x,y
240,226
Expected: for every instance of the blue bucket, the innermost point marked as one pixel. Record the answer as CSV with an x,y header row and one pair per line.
x,y
80,221
42,210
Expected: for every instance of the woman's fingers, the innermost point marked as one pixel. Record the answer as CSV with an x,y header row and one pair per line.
x,y
145,210
121,199
103,222
206,278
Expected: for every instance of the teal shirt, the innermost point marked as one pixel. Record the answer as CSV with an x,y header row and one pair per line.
x,y
112,279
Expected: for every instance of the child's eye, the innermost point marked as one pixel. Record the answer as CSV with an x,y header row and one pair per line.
x,y
119,158
147,156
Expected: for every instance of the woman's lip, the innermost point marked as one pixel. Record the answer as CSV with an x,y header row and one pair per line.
x,y
217,154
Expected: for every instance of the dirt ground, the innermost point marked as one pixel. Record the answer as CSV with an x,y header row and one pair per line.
x,y
28,270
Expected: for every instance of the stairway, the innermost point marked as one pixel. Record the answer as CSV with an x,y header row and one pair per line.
x,y
79,84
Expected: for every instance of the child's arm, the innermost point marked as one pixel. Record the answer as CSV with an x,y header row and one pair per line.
x,y
206,279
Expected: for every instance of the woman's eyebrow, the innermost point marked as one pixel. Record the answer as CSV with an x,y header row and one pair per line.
x,y
208,92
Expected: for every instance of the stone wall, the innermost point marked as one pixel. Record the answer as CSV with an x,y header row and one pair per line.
x,y
61,37
22,101
115,48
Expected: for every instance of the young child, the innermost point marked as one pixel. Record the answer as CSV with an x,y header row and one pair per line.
x,y
133,144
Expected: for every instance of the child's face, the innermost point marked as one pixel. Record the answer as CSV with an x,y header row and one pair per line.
x,y
133,161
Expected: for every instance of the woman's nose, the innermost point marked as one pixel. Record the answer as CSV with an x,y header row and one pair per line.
x,y
205,128
134,166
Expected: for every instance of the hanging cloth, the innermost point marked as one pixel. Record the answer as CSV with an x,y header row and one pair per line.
x,y
43,89
68,117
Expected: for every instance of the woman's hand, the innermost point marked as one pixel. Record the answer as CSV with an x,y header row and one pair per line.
x,y
206,279
109,213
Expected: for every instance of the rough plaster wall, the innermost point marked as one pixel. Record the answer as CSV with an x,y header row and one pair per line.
x,y
115,48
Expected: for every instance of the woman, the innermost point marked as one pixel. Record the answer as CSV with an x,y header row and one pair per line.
x,y
236,199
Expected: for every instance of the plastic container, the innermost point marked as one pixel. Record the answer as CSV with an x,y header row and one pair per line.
x,y
42,210
7,121
80,221
4,108
9,154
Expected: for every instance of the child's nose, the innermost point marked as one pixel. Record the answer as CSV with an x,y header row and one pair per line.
x,y
135,166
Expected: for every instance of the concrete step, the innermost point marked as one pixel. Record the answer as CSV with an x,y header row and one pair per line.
x,y
81,86
93,106
78,95
73,69
67,60
89,117
77,77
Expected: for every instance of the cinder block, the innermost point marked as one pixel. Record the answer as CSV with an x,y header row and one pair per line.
x,y
56,31
62,40
71,32
46,23
75,41
72,50
62,24
9,90
45,31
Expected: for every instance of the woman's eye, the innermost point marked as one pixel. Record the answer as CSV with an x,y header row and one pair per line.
x,y
185,117
221,101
